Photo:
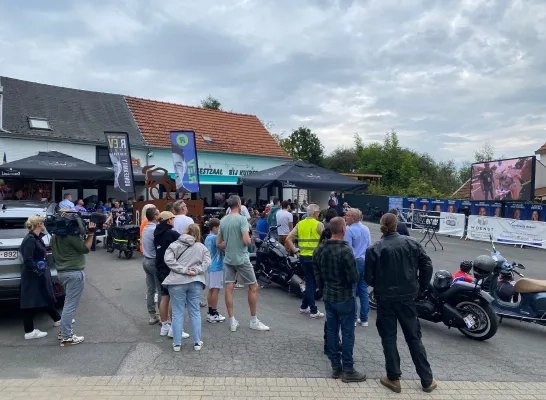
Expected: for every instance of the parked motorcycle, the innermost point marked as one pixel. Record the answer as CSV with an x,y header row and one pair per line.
x,y
532,304
458,304
273,264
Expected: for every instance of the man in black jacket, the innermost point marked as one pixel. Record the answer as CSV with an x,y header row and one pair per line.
x,y
399,269
164,235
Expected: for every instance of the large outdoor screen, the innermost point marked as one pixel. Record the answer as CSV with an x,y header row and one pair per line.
x,y
510,179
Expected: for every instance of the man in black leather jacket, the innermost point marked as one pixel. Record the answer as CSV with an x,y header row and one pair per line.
x,y
399,269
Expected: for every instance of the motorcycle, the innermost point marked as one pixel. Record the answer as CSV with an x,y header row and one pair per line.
x,y
273,264
532,304
458,304
122,237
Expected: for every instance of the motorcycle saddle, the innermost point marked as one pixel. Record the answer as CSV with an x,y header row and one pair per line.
x,y
526,285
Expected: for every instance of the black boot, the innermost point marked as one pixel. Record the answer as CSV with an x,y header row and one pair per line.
x,y
337,373
353,376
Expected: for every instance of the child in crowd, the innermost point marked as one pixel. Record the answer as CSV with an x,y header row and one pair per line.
x,y
463,273
215,274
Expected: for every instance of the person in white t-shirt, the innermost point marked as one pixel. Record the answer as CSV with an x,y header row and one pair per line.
x,y
285,222
181,221
244,212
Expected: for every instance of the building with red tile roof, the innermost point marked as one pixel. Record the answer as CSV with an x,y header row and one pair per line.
x,y
216,131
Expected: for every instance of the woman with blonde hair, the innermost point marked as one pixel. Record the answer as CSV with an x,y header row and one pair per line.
x,y
36,285
188,260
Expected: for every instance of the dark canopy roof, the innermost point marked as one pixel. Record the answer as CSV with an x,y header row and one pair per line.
x,y
302,175
54,165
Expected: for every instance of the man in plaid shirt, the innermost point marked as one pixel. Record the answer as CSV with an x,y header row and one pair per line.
x,y
336,273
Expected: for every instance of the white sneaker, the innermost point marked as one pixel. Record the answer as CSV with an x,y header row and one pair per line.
x,y
165,329
316,315
305,310
35,334
215,318
258,326
233,326
58,323
176,348
171,334
197,346
364,323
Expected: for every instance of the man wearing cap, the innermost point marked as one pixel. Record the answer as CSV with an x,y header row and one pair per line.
x,y
164,235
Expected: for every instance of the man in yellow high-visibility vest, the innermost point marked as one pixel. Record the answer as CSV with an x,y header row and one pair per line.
x,y
307,232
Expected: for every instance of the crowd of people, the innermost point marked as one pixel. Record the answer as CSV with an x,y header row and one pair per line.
x,y
336,252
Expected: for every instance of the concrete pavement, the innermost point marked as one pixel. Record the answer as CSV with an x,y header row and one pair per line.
x,y
224,388
119,341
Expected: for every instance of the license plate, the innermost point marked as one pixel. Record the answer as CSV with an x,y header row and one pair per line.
x,y
469,321
8,254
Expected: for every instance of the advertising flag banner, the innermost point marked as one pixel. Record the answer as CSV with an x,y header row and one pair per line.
x,y
185,161
506,230
120,155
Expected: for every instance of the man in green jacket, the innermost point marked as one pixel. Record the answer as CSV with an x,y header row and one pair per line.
x,y
69,254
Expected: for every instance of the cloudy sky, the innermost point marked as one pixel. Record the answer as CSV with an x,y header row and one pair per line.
x,y
447,75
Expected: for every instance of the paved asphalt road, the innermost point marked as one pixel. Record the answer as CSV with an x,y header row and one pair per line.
x,y
113,318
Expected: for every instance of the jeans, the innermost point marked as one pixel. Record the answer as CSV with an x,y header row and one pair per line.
x,y
153,285
73,283
361,292
190,294
310,284
340,315
389,313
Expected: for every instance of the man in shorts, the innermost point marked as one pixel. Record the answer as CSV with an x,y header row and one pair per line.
x,y
215,273
234,238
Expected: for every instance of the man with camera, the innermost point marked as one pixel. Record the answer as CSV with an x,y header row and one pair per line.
x,y
69,254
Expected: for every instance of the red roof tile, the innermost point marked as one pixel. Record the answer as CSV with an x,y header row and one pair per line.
x,y
230,132
542,149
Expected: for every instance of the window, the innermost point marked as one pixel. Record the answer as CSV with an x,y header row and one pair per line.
x,y
103,157
207,139
39,123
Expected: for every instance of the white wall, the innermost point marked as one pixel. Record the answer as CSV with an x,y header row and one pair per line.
x,y
224,162
540,175
17,149
319,197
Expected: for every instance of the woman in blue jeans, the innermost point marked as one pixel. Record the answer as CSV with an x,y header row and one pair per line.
x,y
188,260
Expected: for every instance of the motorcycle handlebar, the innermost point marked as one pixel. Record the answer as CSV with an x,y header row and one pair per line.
x,y
518,273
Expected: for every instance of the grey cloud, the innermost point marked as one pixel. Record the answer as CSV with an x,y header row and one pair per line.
x,y
425,68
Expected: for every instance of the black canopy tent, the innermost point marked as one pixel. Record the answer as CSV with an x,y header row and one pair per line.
x,y
54,165
302,175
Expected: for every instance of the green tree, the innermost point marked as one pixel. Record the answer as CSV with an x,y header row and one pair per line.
x,y
303,144
342,160
211,103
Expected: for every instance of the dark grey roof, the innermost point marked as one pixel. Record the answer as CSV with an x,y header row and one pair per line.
x,y
73,114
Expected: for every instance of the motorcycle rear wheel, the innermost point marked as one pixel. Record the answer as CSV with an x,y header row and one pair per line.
x,y
128,254
486,322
